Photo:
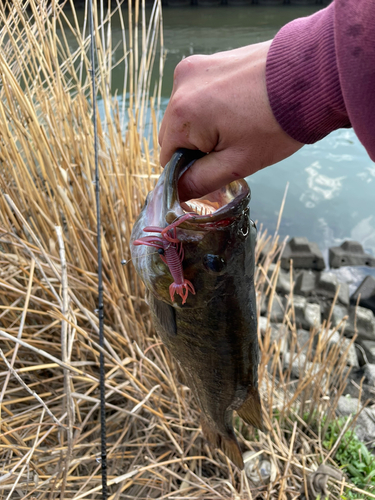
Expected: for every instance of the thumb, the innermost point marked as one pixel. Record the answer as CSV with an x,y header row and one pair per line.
x,y
209,173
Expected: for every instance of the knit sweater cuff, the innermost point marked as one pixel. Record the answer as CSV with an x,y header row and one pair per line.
x,y
302,78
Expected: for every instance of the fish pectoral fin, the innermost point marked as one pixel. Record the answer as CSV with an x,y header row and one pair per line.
x,y
251,409
226,443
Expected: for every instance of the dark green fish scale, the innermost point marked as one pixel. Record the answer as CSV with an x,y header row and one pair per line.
x,y
214,335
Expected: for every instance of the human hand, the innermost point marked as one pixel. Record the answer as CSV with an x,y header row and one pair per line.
x,y
219,105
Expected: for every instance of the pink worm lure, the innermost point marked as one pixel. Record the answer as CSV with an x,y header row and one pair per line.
x,y
172,253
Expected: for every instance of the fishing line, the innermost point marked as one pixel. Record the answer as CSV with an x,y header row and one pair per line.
x,y
100,309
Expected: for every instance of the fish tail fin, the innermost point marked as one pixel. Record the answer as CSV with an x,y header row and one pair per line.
x,y
251,409
227,443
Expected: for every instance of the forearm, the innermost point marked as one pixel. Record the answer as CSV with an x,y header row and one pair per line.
x,y
320,71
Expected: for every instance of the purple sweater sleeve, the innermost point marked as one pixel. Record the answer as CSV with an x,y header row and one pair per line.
x,y
321,73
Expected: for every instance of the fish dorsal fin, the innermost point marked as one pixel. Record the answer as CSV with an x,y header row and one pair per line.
x,y
251,409
226,443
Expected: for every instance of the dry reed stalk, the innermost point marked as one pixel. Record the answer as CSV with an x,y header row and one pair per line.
x,y
50,436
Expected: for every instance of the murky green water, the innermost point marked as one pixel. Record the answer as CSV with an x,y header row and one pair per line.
x,y
331,184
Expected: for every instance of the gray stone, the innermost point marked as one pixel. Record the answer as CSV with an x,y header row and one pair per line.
x,y
263,305
350,253
305,254
305,283
339,312
279,334
307,315
277,309
366,291
271,270
298,365
305,344
283,279
283,282
335,339
312,316
262,324
365,424
299,303
356,386
369,371
258,468
362,322
327,286
369,348
266,250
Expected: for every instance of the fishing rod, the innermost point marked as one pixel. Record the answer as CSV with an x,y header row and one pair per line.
x,y
100,309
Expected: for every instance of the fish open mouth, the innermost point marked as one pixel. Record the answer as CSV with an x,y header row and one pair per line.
x,y
200,207
216,208
222,203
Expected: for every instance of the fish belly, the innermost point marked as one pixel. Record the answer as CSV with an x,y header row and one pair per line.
x,y
217,348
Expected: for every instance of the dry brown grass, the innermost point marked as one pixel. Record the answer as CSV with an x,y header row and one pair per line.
x,y
49,400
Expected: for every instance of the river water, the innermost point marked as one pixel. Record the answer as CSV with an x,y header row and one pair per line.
x,y
331,184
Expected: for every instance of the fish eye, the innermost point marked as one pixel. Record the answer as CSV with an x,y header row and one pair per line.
x,y
161,251
213,263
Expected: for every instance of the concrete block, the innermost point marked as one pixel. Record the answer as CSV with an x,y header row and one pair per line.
x,y
283,279
362,322
303,2
369,348
338,313
279,334
350,253
357,385
307,315
263,305
305,255
283,282
298,365
334,339
277,308
303,341
262,324
312,315
299,303
239,3
365,424
265,251
207,3
327,285
369,371
367,292
305,283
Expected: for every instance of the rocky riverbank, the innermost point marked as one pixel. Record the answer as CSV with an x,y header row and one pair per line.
x,y
311,305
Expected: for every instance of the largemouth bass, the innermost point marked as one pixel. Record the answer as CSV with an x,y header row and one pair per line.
x,y
196,260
